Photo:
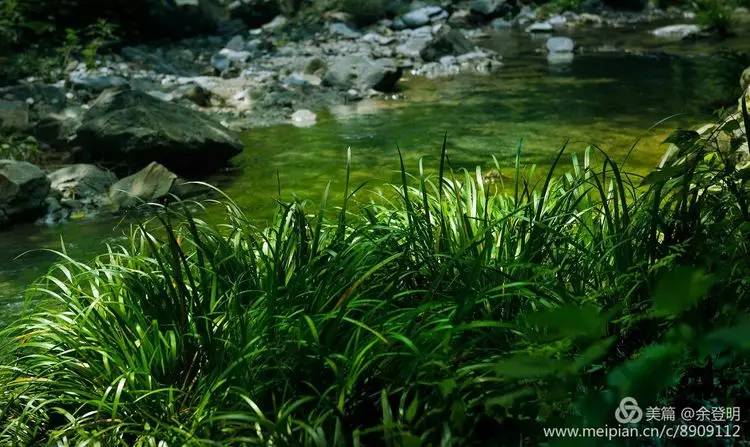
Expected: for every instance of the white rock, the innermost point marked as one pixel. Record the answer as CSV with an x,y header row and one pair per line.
x,y
560,45
539,27
377,38
235,56
557,21
303,118
676,32
275,24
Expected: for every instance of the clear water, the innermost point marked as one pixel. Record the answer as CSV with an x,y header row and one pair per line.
x,y
609,98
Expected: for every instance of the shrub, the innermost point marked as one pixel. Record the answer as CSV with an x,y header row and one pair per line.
x,y
444,312
715,15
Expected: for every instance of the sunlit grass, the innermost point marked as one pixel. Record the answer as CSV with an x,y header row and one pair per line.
x,y
444,312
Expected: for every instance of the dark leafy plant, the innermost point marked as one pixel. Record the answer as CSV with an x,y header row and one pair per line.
x,y
715,15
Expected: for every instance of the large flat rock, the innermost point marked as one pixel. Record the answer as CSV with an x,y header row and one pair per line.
x,y
133,128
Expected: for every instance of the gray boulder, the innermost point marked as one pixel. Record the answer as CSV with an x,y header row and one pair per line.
x,y
152,183
420,17
57,129
447,42
23,188
361,72
81,181
414,44
132,128
147,185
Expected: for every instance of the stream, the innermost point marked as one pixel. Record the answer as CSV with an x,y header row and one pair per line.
x,y
610,95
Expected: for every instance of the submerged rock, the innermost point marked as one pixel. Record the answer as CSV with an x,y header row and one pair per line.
x,y
478,62
133,128
23,188
559,58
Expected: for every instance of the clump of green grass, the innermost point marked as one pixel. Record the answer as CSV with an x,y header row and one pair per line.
x,y
444,312
715,15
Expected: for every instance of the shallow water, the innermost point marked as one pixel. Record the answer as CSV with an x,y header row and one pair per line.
x,y
609,98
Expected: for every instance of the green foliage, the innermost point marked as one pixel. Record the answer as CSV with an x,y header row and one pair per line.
x,y
442,313
19,147
16,26
47,62
559,6
715,15
364,12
